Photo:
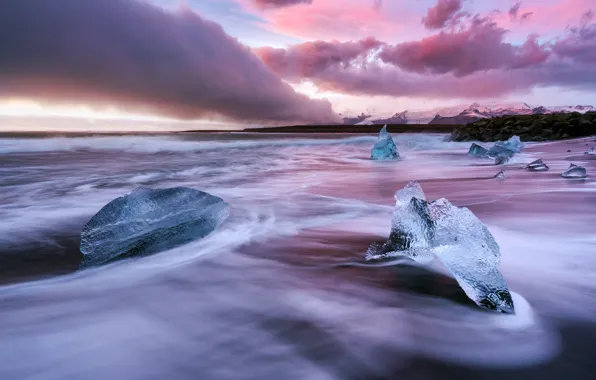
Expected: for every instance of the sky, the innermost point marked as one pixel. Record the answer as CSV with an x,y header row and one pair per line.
x,y
262,62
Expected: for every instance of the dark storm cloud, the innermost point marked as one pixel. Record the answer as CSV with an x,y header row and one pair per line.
x,y
130,54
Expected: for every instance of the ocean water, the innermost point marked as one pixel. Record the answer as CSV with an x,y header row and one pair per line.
x,y
278,292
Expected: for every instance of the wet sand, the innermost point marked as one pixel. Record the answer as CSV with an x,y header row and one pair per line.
x,y
279,292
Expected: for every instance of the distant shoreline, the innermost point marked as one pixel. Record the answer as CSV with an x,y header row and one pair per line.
x,y
342,128
338,128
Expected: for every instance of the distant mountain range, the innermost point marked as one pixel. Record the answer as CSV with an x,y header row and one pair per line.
x,y
457,115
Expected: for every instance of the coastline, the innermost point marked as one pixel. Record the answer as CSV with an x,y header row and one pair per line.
x,y
338,128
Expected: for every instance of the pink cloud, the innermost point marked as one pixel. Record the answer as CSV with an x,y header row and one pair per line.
x,y
480,47
444,12
309,58
514,10
548,17
328,20
580,44
279,3
127,53
473,62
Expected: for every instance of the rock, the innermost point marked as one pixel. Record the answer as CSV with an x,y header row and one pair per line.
x,y
537,127
148,221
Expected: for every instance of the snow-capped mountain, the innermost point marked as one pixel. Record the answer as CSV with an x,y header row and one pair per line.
x,y
357,119
464,115
398,118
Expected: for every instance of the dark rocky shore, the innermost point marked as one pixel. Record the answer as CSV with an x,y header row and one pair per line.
x,y
342,128
559,126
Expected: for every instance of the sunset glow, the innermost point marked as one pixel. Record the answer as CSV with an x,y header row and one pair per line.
x,y
271,62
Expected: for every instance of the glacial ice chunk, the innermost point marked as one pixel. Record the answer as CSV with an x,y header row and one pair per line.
x,y
537,166
411,228
501,159
575,171
148,221
499,151
592,151
500,175
384,148
468,249
514,144
477,150
421,231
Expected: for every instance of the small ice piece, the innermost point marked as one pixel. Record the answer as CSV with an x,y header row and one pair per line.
x,y
411,228
500,175
501,159
575,171
591,151
422,230
499,151
537,166
148,221
477,150
384,148
514,144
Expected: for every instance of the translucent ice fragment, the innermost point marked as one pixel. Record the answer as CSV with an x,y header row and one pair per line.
x,y
575,171
467,248
411,227
514,144
499,151
537,166
384,148
477,150
501,160
147,221
422,230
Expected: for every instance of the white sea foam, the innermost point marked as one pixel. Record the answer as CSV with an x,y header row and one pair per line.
x,y
252,316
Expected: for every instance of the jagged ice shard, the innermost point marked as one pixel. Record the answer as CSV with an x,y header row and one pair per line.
x,y
497,151
514,144
384,148
477,150
575,171
500,175
411,228
148,221
537,166
501,159
421,230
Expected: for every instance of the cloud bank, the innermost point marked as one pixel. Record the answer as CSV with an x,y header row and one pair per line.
x,y
127,53
472,60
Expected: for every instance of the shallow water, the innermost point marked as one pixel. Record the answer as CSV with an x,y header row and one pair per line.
x,y
274,293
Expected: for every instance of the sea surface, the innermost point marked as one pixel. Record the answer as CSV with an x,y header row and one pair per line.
x,y
279,290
